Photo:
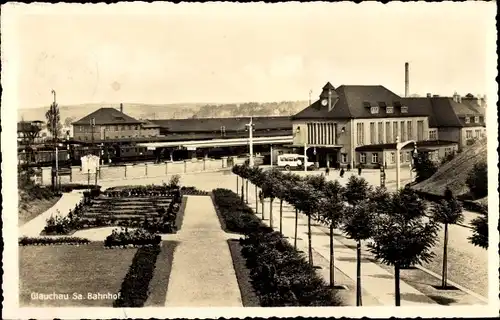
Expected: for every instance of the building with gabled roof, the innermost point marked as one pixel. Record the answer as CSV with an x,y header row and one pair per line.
x,y
352,116
112,124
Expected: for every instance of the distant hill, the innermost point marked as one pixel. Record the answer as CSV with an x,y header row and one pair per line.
x,y
454,173
174,111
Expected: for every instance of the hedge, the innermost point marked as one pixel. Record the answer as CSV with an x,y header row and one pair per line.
x,y
236,216
280,275
68,187
135,286
27,241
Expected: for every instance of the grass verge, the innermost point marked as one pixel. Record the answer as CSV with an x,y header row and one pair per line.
x,y
159,283
248,295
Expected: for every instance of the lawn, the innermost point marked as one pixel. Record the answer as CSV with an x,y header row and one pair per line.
x,y
68,269
28,210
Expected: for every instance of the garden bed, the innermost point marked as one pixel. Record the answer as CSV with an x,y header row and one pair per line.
x,y
279,274
71,269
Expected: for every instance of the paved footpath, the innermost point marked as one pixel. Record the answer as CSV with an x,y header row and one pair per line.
x,y
202,272
377,282
62,207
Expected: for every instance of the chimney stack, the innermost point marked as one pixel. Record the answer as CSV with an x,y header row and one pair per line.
x,y
429,95
121,107
407,79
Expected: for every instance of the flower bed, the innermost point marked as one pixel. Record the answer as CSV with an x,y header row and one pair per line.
x,y
136,238
68,187
280,275
27,241
192,191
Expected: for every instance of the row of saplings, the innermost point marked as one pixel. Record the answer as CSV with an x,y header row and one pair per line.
x,y
76,220
400,228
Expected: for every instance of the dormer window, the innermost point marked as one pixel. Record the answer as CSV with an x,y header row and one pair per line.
x,y
476,119
374,110
467,120
404,109
389,109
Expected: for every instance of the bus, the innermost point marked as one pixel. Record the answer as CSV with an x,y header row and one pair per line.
x,y
292,161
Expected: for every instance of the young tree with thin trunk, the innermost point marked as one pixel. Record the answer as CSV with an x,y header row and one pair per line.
x,y
256,177
332,213
403,236
358,225
447,212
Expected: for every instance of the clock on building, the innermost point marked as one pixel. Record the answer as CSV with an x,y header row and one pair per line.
x,y
324,102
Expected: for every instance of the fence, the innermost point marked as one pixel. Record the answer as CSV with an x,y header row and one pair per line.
x,y
143,170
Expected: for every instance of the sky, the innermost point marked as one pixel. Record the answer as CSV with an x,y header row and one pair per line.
x,y
159,54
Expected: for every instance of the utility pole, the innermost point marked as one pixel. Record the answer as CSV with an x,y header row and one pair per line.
x,y
92,124
250,127
54,131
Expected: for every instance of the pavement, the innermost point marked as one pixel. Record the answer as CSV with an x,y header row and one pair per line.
x,y
377,282
202,273
34,227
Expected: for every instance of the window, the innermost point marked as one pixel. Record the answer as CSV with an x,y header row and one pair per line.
x,y
420,130
403,131
447,151
395,131
401,160
476,119
478,133
468,134
433,134
373,135
467,120
344,157
362,158
374,110
393,157
374,157
388,135
380,132
389,109
408,156
404,109
360,133
409,130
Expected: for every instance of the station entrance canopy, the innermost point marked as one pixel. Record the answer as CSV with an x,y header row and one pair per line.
x,y
213,143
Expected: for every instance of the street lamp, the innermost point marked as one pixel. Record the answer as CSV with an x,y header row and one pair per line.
x,y
250,127
399,146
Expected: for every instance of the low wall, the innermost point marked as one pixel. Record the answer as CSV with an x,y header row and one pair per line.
x,y
142,170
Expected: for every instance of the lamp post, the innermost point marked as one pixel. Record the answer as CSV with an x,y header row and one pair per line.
x,y
250,129
399,146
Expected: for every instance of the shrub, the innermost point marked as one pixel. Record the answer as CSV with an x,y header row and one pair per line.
x,y
135,286
424,167
237,216
58,225
174,181
280,275
26,241
138,237
477,180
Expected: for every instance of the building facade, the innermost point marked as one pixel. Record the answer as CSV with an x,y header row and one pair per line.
x,y
111,124
350,117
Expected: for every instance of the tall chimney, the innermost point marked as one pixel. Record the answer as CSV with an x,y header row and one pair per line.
x,y
121,107
407,79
